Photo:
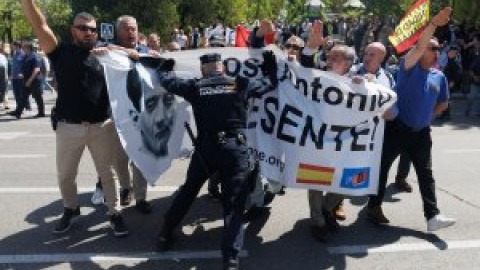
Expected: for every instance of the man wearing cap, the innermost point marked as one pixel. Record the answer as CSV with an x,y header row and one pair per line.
x,y
220,108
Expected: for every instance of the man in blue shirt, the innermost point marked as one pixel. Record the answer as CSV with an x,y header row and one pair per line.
x,y
17,76
422,92
30,70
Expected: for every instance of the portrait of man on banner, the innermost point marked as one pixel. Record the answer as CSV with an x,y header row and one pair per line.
x,y
153,112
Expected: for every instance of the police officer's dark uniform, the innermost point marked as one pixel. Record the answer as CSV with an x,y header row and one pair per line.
x,y
220,109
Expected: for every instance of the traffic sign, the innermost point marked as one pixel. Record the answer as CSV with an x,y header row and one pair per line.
x,y
106,31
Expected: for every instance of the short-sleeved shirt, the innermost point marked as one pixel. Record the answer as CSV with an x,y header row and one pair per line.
x,y
82,91
30,63
418,91
17,60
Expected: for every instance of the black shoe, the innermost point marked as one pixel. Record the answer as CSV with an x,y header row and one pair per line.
x,y
65,222
231,264
253,213
117,225
39,115
125,197
15,114
376,216
402,185
164,242
332,223
320,233
143,207
214,194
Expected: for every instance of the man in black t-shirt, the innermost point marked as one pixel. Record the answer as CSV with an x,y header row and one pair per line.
x,y
82,111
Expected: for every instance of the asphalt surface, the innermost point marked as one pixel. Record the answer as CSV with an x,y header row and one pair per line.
x,y
30,205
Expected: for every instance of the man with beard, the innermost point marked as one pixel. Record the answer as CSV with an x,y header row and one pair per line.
x,y
82,112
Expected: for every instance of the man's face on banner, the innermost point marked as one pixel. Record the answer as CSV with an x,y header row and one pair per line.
x,y
157,119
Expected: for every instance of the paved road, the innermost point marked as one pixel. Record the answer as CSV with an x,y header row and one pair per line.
x,y
30,206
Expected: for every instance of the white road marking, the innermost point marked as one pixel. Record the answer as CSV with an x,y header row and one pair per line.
x,y
111,257
23,156
16,135
461,151
424,246
46,135
43,190
11,135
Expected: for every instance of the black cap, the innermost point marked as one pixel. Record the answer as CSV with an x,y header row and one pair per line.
x,y
210,57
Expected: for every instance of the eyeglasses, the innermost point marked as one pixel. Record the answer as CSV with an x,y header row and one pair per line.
x,y
435,48
85,28
292,46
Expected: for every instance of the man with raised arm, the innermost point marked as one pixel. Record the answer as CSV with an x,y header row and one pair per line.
x,y
82,112
422,92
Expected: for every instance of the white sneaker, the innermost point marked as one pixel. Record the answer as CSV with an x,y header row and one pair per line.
x,y
97,197
439,222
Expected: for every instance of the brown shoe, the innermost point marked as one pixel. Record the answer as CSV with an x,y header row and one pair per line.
x,y
339,212
401,184
375,215
320,233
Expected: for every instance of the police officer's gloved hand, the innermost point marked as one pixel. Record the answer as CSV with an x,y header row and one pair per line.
x,y
166,65
269,67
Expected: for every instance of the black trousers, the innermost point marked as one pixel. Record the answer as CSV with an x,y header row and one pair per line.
x,y
417,144
230,160
36,92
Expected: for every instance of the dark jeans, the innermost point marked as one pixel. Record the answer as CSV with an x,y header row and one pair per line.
x,y
231,161
403,166
36,92
3,91
18,86
417,144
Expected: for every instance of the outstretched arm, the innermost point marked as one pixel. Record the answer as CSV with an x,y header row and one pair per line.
x,y
441,19
45,35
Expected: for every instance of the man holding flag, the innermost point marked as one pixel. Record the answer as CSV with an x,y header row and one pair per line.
x,y
422,91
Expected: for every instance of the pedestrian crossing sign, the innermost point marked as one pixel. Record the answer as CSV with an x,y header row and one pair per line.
x,y
106,31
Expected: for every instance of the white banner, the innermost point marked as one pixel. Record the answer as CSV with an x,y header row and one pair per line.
x,y
318,131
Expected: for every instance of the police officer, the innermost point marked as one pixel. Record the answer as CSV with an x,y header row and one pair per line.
x,y
220,108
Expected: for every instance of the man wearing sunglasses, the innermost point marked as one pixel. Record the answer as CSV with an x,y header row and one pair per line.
x,y
422,91
82,110
292,47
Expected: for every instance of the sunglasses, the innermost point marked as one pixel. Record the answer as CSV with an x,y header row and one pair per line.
x,y
435,48
292,46
85,28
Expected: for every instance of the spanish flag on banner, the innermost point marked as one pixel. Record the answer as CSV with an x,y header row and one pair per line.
x,y
315,175
411,26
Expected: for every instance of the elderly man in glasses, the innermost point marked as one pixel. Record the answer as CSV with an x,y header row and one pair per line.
x,y
292,48
422,91
339,60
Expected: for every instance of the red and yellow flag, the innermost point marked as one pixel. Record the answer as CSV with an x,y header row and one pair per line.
x,y
411,26
315,175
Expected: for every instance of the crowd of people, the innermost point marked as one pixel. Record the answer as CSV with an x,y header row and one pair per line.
x,y
358,50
